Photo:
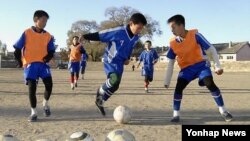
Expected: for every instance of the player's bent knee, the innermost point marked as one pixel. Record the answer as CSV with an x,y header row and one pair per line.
x,y
114,79
48,81
209,83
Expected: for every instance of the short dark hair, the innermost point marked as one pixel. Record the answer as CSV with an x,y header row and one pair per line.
x,y
75,37
149,42
40,13
178,19
138,18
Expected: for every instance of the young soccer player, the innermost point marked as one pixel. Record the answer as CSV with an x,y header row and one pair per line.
x,y
76,51
33,51
189,47
121,41
149,57
83,64
133,67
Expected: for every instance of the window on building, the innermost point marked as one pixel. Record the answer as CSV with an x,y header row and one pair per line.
x,y
230,57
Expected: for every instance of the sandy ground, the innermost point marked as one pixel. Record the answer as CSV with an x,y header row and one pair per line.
x,y
75,110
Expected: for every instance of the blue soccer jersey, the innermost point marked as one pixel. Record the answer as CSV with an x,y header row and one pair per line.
x,y
119,48
148,58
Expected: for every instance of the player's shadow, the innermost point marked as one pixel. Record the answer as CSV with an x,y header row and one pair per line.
x,y
189,118
148,117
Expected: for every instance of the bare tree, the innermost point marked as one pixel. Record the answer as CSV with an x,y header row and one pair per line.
x,y
120,16
116,17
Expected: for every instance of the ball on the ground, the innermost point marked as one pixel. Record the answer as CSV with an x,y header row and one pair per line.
x,y
8,138
122,114
80,136
120,135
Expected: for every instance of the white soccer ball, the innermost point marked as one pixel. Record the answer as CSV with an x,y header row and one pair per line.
x,y
122,114
120,135
8,138
80,136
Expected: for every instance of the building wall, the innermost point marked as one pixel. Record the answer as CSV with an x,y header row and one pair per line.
x,y
227,57
244,53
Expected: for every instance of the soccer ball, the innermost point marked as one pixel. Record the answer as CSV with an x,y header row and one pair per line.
x,y
80,136
122,114
8,138
120,135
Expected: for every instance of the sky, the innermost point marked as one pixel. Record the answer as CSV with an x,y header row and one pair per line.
x,y
218,20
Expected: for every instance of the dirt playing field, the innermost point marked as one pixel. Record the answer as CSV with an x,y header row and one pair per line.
x,y
75,110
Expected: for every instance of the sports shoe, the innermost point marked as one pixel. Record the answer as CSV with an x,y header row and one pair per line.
x,y
75,84
227,116
72,86
47,112
32,118
175,119
146,90
99,103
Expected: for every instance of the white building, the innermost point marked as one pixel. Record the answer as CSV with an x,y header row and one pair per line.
x,y
239,51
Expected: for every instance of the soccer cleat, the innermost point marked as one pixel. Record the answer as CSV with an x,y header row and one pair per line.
x,y
47,112
227,116
99,103
75,84
175,119
100,107
32,118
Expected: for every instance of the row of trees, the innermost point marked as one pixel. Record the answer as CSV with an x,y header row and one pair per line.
x,y
115,17
3,48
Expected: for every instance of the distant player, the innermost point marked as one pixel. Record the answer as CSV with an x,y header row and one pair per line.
x,y
121,41
149,57
133,67
83,64
33,51
188,47
76,51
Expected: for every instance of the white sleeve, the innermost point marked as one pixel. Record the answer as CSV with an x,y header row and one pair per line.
x,y
169,72
213,51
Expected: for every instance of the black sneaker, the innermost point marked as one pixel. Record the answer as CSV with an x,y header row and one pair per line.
x,y
175,119
99,103
75,84
227,116
101,108
47,112
32,118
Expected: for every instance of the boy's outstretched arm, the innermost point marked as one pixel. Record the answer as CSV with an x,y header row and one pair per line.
x,y
18,50
169,73
210,49
213,52
18,57
90,36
